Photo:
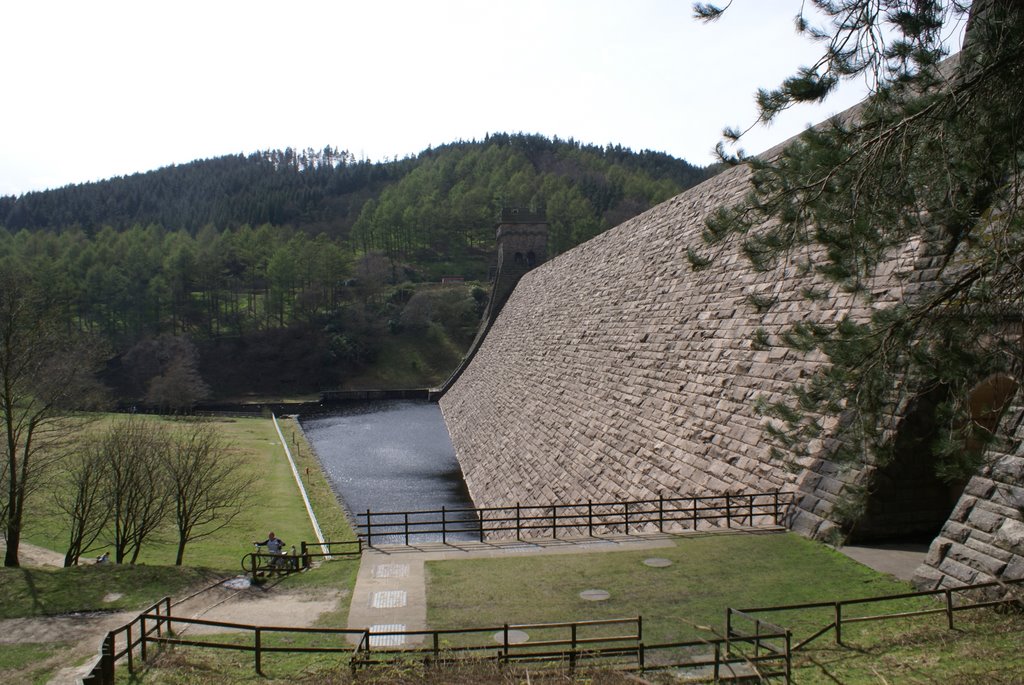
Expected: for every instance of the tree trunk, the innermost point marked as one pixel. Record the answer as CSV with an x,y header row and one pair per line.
x,y
181,551
13,542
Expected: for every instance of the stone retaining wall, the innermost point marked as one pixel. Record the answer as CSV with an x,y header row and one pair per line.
x,y
983,540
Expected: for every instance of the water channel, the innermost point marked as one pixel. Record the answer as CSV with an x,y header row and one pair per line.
x,y
390,455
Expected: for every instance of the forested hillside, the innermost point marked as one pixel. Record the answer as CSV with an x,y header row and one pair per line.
x,y
310,265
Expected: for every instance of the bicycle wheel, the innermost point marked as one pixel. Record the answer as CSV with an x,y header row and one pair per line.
x,y
252,562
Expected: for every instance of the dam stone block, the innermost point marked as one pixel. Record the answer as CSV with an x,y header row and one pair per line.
x,y
1010,537
1015,569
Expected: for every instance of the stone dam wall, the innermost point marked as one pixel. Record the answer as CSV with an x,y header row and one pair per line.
x,y
618,371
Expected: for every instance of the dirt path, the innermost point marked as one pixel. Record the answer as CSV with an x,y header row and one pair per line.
x,y
31,555
73,640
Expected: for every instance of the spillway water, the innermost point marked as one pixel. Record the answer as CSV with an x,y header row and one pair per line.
x,y
392,455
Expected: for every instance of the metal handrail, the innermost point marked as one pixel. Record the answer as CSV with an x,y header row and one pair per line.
x,y
740,509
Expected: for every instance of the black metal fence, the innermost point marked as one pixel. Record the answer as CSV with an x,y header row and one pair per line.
x,y
580,518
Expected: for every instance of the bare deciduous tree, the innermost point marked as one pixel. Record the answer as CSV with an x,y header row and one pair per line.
x,y
80,495
208,485
134,451
44,372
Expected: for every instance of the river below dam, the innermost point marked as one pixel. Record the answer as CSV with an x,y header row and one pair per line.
x,y
390,455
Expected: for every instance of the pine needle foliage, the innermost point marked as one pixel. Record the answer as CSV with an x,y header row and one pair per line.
x,y
931,159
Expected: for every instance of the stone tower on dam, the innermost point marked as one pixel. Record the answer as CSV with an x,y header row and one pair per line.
x,y
619,371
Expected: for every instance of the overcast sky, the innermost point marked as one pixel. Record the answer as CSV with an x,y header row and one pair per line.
x,y
108,88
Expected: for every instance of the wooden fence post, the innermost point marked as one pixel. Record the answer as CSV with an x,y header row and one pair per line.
x,y
257,651
590,517
167,613
130,648
554,524
949,608
107,658
519,535
406,527
661,512
444,526
694,513
572,651
369,530
142,637
728,511
625,515
839,623
789,657
481,512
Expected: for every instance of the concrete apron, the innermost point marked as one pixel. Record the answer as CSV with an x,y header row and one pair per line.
x,y
390,591
898,559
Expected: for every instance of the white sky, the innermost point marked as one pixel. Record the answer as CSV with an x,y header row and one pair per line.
x,y
108,88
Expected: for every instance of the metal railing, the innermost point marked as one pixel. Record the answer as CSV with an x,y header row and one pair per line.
x,y
580,518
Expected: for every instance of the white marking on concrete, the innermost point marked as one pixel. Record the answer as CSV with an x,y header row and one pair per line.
x,y
391,571
389,599
387,640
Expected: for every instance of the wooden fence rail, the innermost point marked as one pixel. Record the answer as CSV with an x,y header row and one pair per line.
x,y
761,652
580,518
949,607
723,659
329,550
136,634
571,643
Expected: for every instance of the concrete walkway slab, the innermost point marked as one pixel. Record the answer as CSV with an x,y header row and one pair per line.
x,y
897,559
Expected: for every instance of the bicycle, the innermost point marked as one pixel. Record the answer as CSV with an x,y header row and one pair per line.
x,y
266,563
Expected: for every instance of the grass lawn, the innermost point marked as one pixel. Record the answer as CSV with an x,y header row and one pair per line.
x,y
686,600
985,648
46,592
275,504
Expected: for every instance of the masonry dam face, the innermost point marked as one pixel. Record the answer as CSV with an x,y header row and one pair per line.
x,y
617,371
